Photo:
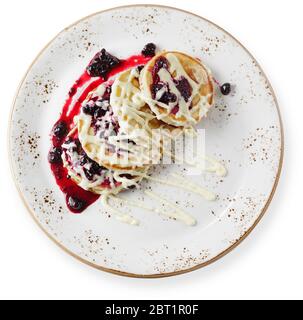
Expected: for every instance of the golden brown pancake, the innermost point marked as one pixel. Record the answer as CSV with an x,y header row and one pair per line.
x,y
88,174
178,88
103,139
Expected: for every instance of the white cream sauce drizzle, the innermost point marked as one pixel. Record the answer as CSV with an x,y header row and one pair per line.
x,y
214,166
178,214
125,93
142,205
185,184
127,102
120,216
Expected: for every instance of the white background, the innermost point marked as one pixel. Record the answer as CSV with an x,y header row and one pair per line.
x,y
267,265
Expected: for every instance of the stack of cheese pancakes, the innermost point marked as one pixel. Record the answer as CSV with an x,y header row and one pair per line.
x,y
118,134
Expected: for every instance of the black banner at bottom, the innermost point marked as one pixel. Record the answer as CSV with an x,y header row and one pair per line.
x,y
151,309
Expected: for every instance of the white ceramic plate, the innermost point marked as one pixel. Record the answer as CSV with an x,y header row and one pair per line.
x,y
243,131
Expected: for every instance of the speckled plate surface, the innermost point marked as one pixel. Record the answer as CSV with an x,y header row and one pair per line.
x,y
243,130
